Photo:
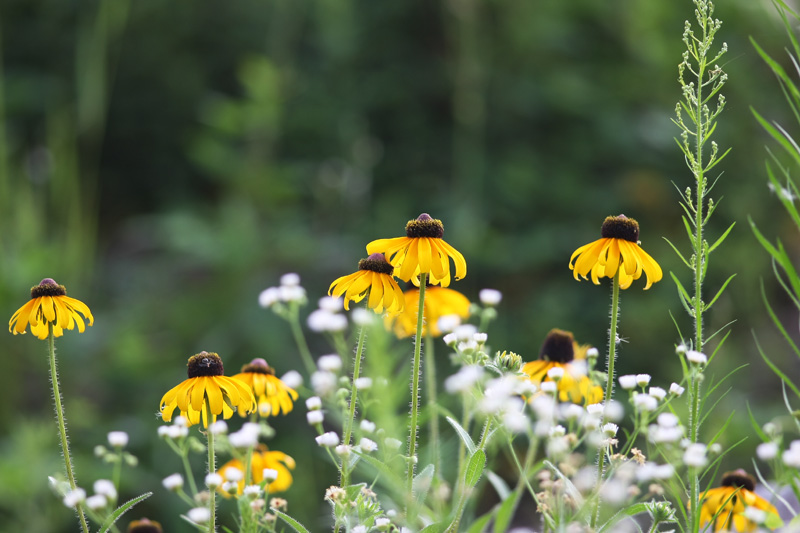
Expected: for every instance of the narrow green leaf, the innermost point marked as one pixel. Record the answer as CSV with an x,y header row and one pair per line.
x,y
777,321
683,296
122,509
294,524
756,427
463,434
721,239
422,483
624,513
776,370
685,262
499,485
438,527
505,513
777,136
475,466
479,525
719,292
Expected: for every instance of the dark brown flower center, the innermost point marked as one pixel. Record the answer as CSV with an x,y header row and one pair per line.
x,y
620,227
258,366
558,347
738,479
205,364
48,287
425,226
144,526
376,263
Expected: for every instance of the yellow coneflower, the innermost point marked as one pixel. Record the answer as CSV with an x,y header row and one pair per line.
x,y
272,395
207,384
439,302
618,249
374,277
422,251
558,351
144,526
723,507
262,459
49,304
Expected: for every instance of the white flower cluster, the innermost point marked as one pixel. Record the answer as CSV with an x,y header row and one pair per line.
x,y
288,291
178,430
667,429
247,437
791,457
328,317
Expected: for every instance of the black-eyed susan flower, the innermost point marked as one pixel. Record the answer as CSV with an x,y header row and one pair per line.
x,y
273,396
422,251
49,304
374,277
265,459
439,302
617,250
723,507
560,350
207,386
144,526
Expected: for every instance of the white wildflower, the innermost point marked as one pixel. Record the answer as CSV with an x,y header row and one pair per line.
x,y
490,297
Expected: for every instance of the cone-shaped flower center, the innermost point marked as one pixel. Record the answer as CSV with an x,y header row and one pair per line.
x,y
258,366
376,263
425,226
205,364
558,347
739,479
620,227
48,287
144,526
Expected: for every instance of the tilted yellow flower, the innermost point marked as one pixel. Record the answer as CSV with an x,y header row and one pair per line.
x,y
374,277
560,350
422,251
724,506
207,384
262,459
273,396
617,250
439,302
49,304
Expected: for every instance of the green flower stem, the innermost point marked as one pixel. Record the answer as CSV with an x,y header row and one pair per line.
x,y
348,423
430,369
612,356
300,339
415,373
462,500
212,468
62,425
188,468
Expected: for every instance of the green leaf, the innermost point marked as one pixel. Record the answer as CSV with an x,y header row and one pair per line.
x,y
475,466
721,239
777,370
624,513
422,483
499,484
505,513
122,509
685,262
778,136
294,524
773,521
719,292
438,527
479,525
391,477
463,434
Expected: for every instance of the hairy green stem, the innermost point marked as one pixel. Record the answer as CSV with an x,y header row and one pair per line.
x,y
62,426
430,385
348,423
212,468
415,375
612,356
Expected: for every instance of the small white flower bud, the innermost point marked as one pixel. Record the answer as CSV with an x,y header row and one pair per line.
x,y
643,380
292,293
243,439
696,358
173,482
450,339
269,297
106,488
315,417
645,402
555,373
695,455
252,491
490,297
548,387
657,392
343,450
330,304
98,501
118,439
392,444
213,480
676,390
767,451
449,323
323,383
330,363
329,439
313,403
175,432
595,409
610,429
199,515
290,279
292,379
367,426
667,420
592,353
755,515
270,474
364,383
230,487
681,349
368,445
465,332
558,431
627,382
480,338
74,497
162,431
233,474
362,317
220,427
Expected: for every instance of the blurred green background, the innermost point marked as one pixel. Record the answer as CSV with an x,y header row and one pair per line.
x,y
169,160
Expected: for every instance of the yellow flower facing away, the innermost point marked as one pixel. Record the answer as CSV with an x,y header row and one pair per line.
x,y
207,385
724,507
273,396
422,251
144,526
560,350
49,304
374,277
617,250
439,302
264,459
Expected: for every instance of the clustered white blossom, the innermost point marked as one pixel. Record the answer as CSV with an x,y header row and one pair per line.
x,y
288,291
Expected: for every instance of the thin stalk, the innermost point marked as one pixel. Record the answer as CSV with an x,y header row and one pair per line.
x,y
300,339
462,500
430,369
348,423
62,425
212,468
188,468
415,374
612,356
